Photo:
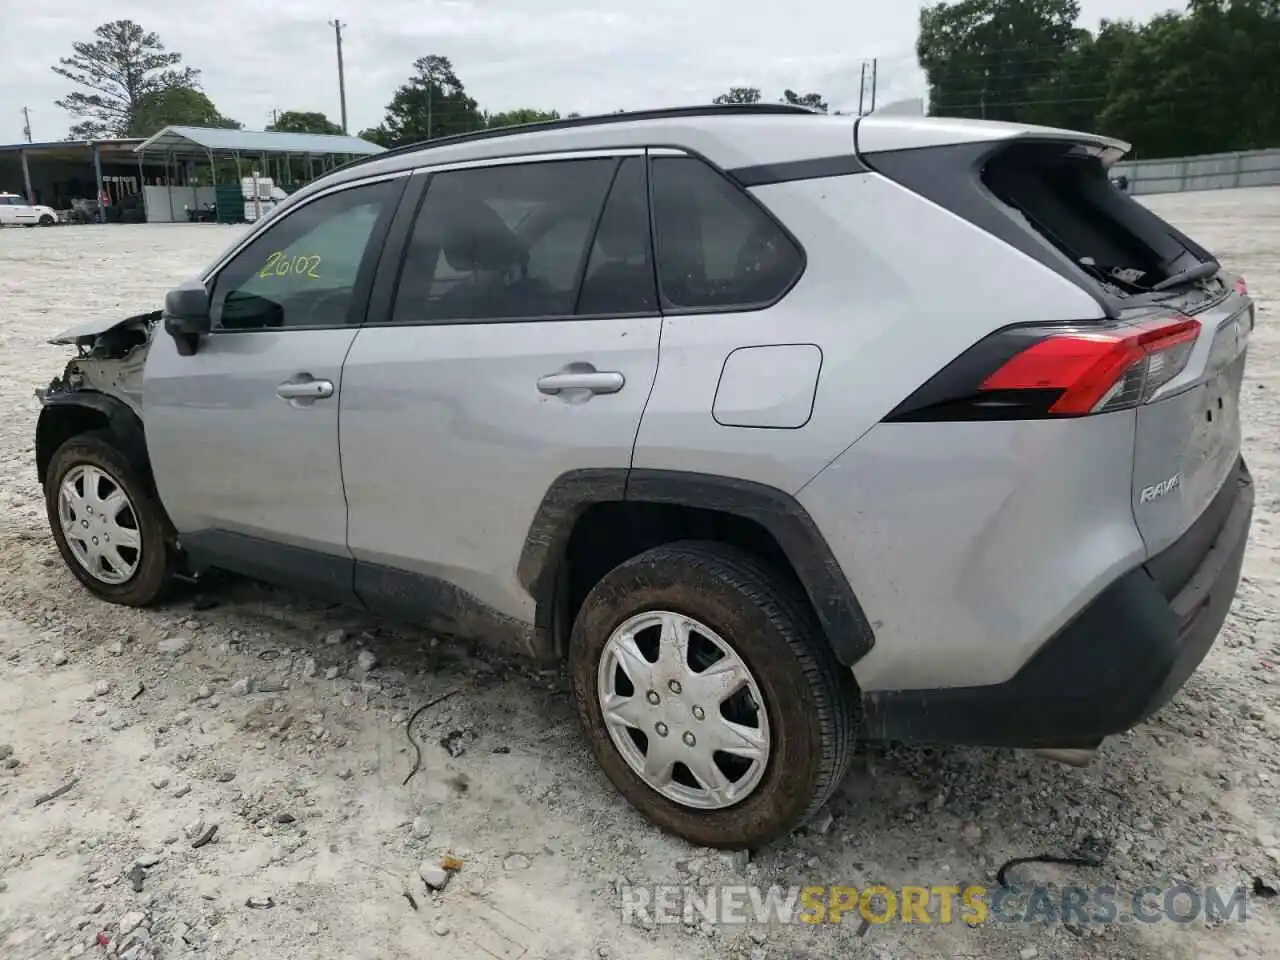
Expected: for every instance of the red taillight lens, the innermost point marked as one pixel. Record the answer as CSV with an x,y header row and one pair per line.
x,y
1097,372
1242,288
1033,372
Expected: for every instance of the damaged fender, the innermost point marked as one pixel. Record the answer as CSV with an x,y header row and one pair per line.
x,y
101,387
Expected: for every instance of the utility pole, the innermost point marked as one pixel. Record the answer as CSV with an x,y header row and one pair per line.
x,y
862,86
26,124
275,115
875,70
342,82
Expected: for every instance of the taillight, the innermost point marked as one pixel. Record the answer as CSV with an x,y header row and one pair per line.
x,y
1242,288
1036,372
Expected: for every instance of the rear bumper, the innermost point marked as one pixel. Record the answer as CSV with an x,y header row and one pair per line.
x,y
1118,662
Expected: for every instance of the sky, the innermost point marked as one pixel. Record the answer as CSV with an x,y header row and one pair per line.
x,y
589,56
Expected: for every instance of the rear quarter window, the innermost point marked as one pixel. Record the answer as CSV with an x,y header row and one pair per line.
x,y
717,248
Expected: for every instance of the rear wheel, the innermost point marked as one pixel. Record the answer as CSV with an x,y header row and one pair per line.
x,y
709,695
108,523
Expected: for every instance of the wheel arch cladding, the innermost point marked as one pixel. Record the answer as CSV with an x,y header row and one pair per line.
x,y
779,514
67,415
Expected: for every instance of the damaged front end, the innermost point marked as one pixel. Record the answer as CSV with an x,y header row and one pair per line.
x,y
110,355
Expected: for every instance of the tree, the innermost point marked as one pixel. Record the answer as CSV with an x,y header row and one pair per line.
x,y
813,101
983,58
511,118
183,106
121,68
433,103
298,121
739,95
1203,81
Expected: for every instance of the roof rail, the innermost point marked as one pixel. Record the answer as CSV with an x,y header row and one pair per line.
x,y
569,123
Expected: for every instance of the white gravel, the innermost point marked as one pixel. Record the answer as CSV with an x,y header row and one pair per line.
x,y
257,737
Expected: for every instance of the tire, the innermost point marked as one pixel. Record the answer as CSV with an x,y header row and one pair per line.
x,y
47,221
156,558
809,699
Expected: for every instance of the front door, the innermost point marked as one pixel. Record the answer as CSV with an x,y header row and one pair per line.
x,y
521,345
243,435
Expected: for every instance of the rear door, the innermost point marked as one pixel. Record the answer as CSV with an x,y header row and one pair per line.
x,y
517,343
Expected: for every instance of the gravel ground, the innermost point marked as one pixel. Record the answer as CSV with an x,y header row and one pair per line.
x,y
249,710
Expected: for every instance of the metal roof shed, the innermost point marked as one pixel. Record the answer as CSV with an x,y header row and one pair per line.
x,y
266,150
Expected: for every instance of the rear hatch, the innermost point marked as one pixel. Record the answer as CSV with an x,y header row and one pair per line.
x,y
1184,322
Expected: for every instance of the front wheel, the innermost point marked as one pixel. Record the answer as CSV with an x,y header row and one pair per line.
x,y
47,221
709,695
108,523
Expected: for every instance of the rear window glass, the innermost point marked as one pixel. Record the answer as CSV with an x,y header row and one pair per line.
x,y
716,247
1069,201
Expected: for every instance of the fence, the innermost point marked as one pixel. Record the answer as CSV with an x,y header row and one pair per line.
x,y
1215,171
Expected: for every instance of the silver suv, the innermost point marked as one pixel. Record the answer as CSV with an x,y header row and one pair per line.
x,y
783,429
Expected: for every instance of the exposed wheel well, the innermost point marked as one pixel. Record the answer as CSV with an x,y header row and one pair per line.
x,y
608,534
60,423
69,415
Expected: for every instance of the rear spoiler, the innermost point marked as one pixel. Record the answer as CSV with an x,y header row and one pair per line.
x,y
882,133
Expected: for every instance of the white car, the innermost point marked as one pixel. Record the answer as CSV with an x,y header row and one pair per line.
x,y
15,211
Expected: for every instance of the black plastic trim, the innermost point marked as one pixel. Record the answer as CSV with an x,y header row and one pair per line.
x,y
816,168
1113,666
387,591
301,568
121,420
439,605
839,613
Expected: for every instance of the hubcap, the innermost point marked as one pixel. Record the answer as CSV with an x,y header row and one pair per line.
x,y
683,710
99,524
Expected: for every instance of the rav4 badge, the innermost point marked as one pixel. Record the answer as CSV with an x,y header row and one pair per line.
x,y
1158,490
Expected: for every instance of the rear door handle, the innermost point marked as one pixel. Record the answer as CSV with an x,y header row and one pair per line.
x,y
303,387
594,381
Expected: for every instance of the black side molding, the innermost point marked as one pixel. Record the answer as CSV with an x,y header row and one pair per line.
x,y
781,515
814,169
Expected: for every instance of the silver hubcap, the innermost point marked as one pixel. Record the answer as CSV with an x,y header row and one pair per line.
x,y
99,524
683,710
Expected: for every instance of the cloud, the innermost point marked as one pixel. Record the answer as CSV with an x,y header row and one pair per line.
x,y
580,55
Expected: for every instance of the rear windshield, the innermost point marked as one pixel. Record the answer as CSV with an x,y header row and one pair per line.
x,y
1066,197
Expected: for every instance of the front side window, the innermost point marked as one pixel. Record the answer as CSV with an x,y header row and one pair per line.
x,y
505,242
302,271
717,249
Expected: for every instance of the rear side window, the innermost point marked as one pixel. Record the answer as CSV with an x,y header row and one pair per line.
x,y
1069,201
717,249
508,242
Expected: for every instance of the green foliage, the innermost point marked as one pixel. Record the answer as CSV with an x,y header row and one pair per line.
x,y
298,121
1203,81
512,118
433,103
176,106
813,101
121,71
739,95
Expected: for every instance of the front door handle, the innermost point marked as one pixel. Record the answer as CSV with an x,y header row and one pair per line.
x,y
304,387
593,381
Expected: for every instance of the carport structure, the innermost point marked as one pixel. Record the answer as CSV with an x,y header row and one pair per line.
x,y
289,159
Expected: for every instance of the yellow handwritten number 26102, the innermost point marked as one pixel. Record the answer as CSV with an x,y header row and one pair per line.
x,y
278,265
